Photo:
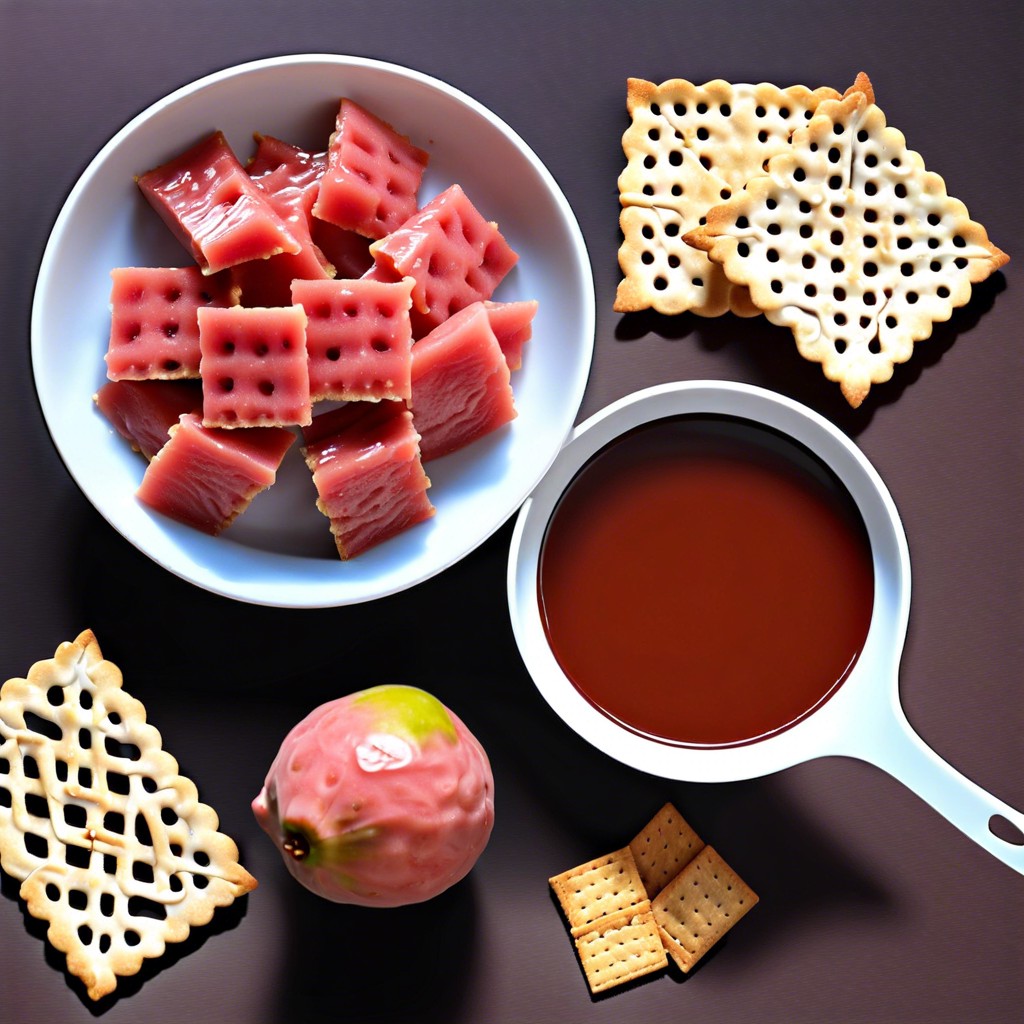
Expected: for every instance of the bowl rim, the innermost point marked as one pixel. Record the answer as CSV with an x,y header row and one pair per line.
x,y
272,593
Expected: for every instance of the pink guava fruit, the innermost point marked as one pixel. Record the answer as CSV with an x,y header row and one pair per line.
x,y
380,798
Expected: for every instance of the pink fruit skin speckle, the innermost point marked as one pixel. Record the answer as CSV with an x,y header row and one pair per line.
x,y
404,821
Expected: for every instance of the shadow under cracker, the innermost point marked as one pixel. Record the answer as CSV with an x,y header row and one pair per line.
x,y
634,326
768,352
224,919
615,989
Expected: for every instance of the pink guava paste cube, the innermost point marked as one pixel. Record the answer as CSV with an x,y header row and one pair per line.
x,y
143,411
214,208
254,366
294,175
373,174
154,332
358,338
279,166
365,461
460,383
205,477
453,254
512,323
290,177
347,251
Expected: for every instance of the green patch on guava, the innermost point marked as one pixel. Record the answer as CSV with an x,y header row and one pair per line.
x,y
406,711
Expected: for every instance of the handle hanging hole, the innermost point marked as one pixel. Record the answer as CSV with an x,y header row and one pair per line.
x,y
1003,828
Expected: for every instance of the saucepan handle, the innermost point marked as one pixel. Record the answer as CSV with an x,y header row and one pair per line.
x,y
898,750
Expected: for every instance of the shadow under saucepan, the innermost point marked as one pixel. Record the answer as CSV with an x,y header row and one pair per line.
x,y
594,804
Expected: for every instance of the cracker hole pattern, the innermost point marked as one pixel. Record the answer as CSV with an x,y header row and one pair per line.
x,y
851,187
720,151
92,857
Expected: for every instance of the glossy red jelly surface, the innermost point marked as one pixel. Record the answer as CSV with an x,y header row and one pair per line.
x,y
461,387
365,461
373,174
454,255
706,582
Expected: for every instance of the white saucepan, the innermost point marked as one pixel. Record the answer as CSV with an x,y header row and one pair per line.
x,y
863,719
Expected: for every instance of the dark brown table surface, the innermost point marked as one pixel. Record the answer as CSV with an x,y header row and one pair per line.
x,y
873,908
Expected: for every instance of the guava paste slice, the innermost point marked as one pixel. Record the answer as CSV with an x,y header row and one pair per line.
x,y
373,174
205,477
214,208
454,255
154,332
460,383
365,461
143,411
358,338
254,366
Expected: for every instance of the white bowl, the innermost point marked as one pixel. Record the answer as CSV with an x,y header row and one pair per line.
x,y
279,552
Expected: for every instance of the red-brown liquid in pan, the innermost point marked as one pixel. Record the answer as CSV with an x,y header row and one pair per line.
x,y
706,581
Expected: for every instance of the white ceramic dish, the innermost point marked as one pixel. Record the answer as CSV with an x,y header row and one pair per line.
x,y
863,718
279,552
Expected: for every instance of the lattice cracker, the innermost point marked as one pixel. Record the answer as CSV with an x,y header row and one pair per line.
x,y
110,843
850,242
688,147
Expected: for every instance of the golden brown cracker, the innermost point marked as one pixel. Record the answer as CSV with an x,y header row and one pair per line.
x,y
699,906
599,888
665,845
626,946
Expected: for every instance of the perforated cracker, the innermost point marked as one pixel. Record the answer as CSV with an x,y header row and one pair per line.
x,y
599,888
689,147
850,242
110,843
665,845
699,906
626,946
609,916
